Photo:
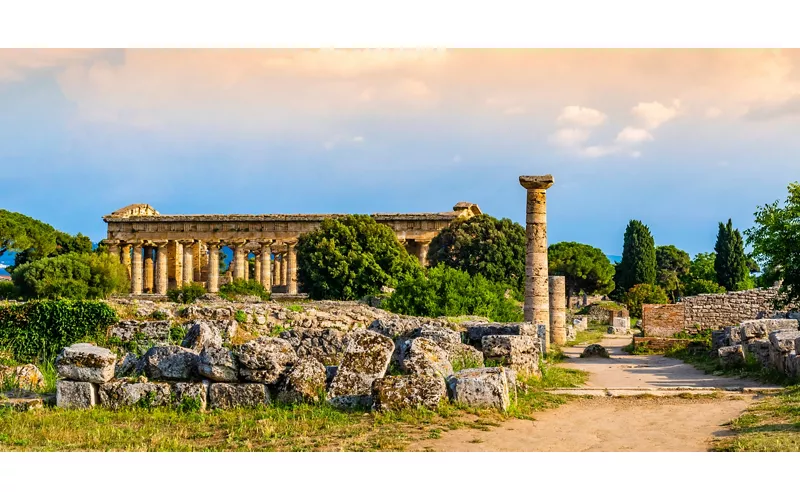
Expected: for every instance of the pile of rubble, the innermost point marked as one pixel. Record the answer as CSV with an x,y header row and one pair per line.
x,y
428,362
775,342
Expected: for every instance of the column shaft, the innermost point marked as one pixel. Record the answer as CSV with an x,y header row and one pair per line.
x,y
266,263
136,270
291,271
188,262
422,252
257,276
126,259
284,270
162,269
213,268
178,264
558,310
278,272
240,271
149,273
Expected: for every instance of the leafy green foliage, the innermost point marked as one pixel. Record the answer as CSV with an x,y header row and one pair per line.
x,y
187,293
775,239
730,264
7,290
644,293
696,287
445,291
240,288
493,248
39,329
176,333
638,263
672,265
585,268
240,316
19,233
71,276
351,257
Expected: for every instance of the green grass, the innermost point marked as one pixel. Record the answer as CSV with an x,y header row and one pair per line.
x,y
592,335
770,425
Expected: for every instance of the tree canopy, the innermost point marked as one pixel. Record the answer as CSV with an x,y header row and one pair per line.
x,y
493,248
71,276
672,266
730,264
638,263
19,233
584,267
351,257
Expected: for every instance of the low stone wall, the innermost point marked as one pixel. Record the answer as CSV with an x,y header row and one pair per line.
x,y
774,342
662,320
599,313
658,343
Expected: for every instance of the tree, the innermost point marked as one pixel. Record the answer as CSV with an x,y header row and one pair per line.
x,y
351,257
584,267
672,265
638,263
730,264
775,240
493,248
19,233
71,276
643,293
65,243
445,291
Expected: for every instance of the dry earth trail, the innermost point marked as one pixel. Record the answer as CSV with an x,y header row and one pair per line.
x,y
601,423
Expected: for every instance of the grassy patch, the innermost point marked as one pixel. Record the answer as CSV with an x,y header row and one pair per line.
x,y
592,335
770,425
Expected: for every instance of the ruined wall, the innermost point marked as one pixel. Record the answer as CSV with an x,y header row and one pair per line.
x,y
662,320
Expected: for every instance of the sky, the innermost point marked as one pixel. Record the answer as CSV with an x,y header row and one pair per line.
x,y
679,139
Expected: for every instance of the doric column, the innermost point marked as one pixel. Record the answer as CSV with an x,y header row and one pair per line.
x,y
537,302
197,261
284,269
278,272
422,252
266,263
188,261
162,267
113,249
136,269
558,310
257,262
213,267
178,264
126,260
291,268
240,267
148,268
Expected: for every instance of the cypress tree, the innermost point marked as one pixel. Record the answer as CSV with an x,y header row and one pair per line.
x,y
730,263
638,263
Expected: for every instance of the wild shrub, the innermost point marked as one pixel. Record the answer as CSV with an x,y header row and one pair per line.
x,y
241,288
71,276
187,293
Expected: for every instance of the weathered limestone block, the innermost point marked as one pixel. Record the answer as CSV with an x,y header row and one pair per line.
x,y
169,363
476,331
304,382
326,345
395,326
781,345
480,387
520,353
760,328
86,363
759,348
424,357
614,330
571,333
201,334
595,351
71,394
730,356
190,392
407,391
218,364
265,359
120,393
127,366
226,396
440,335
621,322
365,359
580,323
141,331
720,338
23,376
464,356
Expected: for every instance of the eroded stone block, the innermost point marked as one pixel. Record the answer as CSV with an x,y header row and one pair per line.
x,y
227,396
71,394
407,391
86,363
480,387
365,359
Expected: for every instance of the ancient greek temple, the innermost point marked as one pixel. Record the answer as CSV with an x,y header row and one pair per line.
x,y
169,251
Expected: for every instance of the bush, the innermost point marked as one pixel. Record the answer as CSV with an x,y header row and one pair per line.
x,y
71,276
449,292
7,290
187,293
38,330
351,257
240,287
644,293
699,286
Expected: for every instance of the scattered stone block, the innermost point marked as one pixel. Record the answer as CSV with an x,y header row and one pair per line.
x,y
21,400
169,363
86,363
760,328
476,331
201,334
74,395
480,387
218,364
186,392
127,366
571,334
520,353
304,382
425,357
24,376
731,356
613,330
440,335
464,356
408,391
121,393
265,359
621,322
781,345
365,359
760,349
580,323
141,332
224,396
595,351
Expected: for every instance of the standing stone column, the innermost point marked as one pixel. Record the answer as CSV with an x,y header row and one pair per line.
x,y
240,268
126,259
113,249
188,262
266,262
178,264
198,261
257,262
422,252
136,269
558,310
213,267
148,269
162,269
537,302
291,268
284,269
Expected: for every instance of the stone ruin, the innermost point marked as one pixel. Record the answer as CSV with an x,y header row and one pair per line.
x,y
394,362
774,342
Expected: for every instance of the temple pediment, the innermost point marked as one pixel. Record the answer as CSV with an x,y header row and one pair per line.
x,y
135,210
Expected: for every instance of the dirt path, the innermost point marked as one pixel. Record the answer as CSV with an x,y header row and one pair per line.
x,y
619,423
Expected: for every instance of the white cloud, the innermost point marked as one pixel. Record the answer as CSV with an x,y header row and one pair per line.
x,y
713,112
635,154
581,117
632,135
336,141
358,138
654,114
598,151
569,137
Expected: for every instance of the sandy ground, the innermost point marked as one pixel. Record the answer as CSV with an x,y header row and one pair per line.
x,y
603,423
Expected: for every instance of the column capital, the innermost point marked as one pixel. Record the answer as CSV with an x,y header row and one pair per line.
x,y
160,243
291,243
214,244
237,243
186,242
536,181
